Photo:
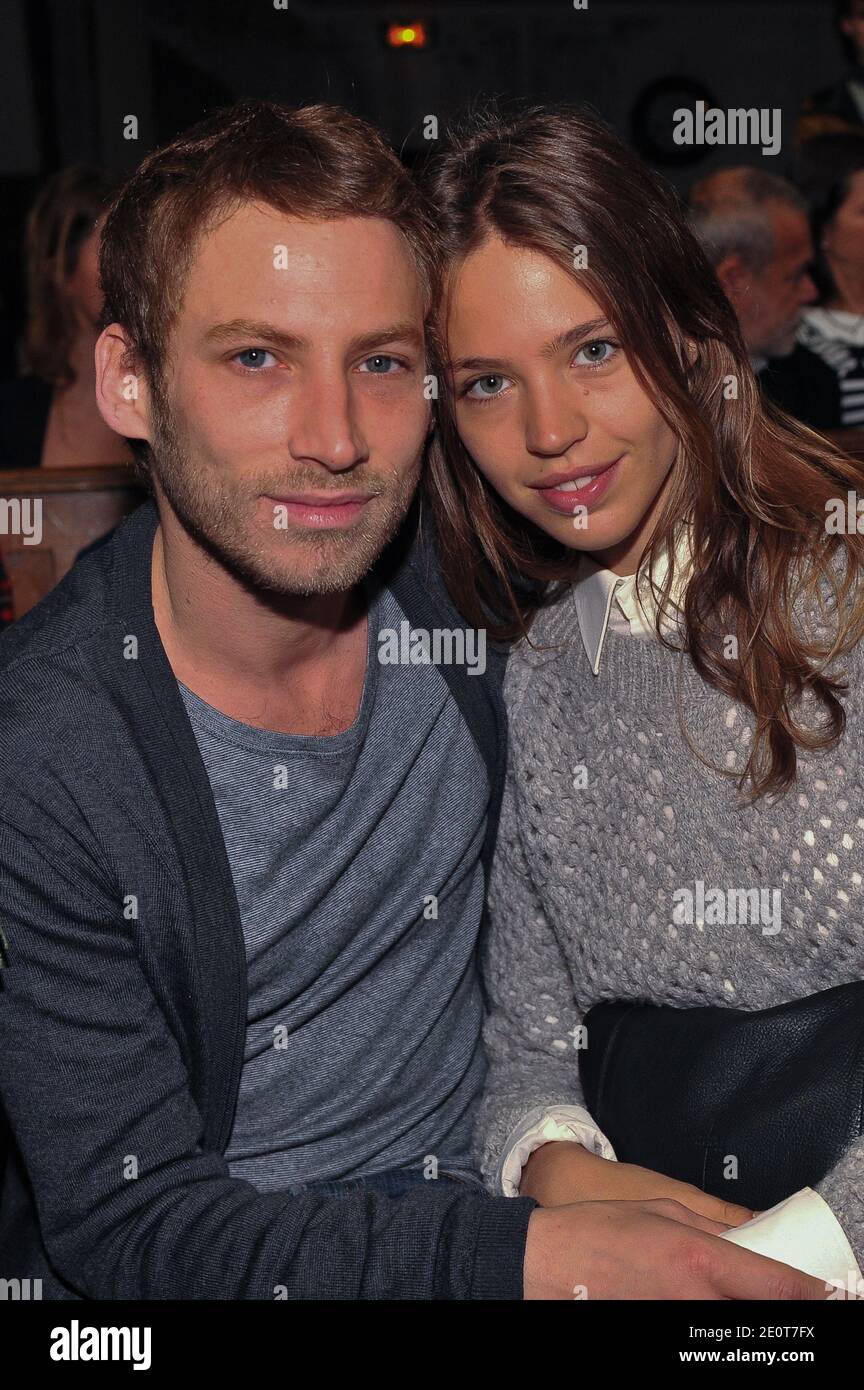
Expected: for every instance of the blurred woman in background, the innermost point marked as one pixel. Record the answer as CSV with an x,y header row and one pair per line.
x,y
48,416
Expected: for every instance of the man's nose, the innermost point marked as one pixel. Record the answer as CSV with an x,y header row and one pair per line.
x,y
324,426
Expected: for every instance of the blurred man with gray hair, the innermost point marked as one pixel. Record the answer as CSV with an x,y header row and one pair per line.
x,y
756,232
754,229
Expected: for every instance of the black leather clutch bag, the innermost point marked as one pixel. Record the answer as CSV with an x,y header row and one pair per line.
x,y
748,1105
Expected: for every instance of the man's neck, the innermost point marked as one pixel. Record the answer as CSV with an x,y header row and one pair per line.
x,y
259,659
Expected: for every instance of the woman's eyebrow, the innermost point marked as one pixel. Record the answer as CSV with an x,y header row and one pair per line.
x,y
575,335
567,339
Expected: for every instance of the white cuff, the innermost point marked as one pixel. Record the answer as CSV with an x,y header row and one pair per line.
x,y
540,1126
802,1231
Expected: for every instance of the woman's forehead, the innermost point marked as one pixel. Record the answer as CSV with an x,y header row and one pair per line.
x,y
515,291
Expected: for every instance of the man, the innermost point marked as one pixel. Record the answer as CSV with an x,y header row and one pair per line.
x,y
244,858
754,229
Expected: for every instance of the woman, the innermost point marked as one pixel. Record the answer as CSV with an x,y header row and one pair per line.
x,y
48,417
600,419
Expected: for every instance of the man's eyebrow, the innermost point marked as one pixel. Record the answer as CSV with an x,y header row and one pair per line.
x,y
406,332
570,338
259,332
253,330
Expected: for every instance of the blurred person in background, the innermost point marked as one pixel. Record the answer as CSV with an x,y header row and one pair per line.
x,y
48,415
840,107
754,229
822,383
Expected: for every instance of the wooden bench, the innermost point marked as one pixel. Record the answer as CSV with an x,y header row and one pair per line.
x,y
77,505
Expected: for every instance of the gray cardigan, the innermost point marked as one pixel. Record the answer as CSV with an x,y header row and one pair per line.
x,y
123,999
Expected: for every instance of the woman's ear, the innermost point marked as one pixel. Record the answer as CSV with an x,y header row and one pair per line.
x,y
122,393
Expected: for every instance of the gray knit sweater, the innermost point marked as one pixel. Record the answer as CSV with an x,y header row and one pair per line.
x,y
606,814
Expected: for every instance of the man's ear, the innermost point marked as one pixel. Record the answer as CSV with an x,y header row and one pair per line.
x,y
733,277
122,392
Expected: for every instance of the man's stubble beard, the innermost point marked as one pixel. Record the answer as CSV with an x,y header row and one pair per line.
x,y
219,513
782,344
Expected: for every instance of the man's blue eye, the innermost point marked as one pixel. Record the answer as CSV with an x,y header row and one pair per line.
x,y
255,357
380,364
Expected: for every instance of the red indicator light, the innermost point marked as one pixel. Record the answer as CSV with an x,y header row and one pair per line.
x,y
407,36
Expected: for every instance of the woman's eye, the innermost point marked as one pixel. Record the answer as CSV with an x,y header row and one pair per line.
x,y
254,358
485,388
601,351
380,364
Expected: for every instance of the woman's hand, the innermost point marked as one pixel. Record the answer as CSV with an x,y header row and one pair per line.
x,y
562,1172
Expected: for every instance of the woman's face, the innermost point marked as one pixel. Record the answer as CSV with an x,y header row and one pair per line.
x,y
843,240
545,397
82,286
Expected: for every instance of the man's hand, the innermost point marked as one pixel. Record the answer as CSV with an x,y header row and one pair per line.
x,y
561,1172
648,1250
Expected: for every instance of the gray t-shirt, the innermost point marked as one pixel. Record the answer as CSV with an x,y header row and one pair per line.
x,y
356,861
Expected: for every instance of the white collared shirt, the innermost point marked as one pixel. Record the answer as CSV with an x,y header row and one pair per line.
x,y
604,599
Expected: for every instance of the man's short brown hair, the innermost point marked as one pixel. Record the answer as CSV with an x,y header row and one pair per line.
x,y
315,162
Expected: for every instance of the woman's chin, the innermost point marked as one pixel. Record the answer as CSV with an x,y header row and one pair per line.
x,y
598,533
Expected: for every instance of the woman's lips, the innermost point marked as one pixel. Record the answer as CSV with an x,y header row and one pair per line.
x,y
586,495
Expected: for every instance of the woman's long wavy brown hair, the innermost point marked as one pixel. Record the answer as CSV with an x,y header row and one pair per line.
x,y
755,484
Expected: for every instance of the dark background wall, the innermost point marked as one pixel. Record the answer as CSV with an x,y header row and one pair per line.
x,y
72,71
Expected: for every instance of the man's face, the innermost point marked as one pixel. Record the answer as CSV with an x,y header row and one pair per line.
x,y
291,429
772,298
844,237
